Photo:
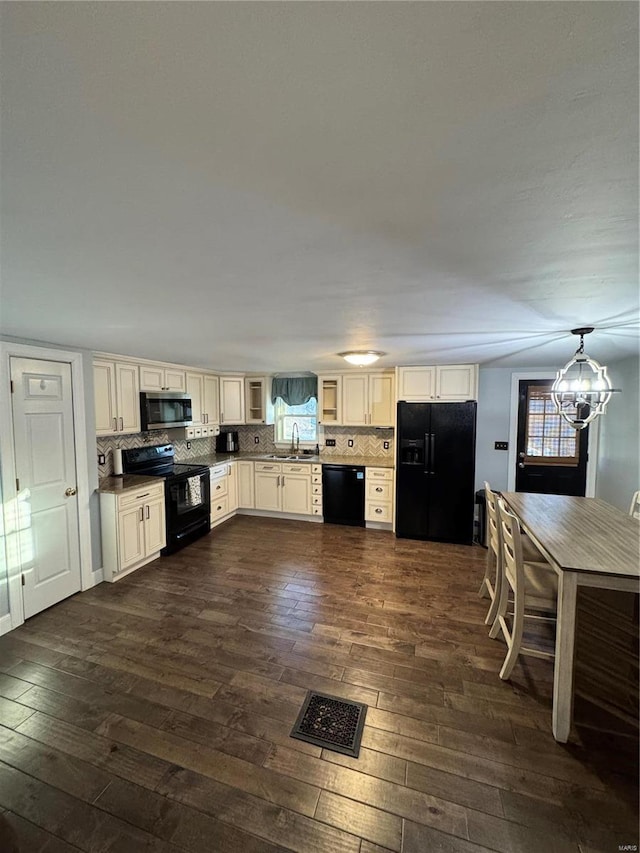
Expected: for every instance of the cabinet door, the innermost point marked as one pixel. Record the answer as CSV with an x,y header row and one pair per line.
x,y
154,526
175,380
381,400
130,536
456,382
128,397
255,400
246,493
195,391
104,390
296,493
210,404
267,491
355,399
416,383
151,378
232,487
231,400
330,400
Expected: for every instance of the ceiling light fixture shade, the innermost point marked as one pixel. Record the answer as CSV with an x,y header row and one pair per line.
x,y
361,358
582,388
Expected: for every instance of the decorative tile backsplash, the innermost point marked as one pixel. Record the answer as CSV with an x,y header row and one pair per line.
x,y
366,442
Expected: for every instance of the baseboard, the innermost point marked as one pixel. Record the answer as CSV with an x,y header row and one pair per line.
x,y
264,513
5,624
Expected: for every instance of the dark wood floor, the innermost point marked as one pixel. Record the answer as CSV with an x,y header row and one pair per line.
x,y
154,714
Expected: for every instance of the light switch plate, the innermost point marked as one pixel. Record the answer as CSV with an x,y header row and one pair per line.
x,y
101,459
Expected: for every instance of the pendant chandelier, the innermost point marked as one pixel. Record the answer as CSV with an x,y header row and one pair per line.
x,y
582,388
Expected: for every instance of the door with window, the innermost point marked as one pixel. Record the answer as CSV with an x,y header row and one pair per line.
x,y
551,455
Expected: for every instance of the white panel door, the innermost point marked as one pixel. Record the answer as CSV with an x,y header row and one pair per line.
x,y
46,469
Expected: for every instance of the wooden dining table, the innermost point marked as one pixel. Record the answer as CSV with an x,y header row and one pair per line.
x,y
589,543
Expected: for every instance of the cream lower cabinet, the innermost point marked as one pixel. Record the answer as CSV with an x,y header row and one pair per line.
x,y
316,489
246,485
232,485
116,397
379,495
283,487
133,529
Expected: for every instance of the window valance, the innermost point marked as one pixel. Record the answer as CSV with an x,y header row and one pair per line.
x,y
294,390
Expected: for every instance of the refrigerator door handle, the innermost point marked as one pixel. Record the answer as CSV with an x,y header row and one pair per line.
x,y
427,453
433,453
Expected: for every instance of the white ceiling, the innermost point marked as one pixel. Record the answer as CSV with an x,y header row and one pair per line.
x,y
261,185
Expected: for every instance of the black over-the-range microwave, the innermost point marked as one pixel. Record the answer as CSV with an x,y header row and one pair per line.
x,y
164,410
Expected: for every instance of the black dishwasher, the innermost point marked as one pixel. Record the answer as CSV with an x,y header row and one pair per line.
x,y
343,494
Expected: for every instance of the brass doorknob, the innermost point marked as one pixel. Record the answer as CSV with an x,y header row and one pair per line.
x,y
70,492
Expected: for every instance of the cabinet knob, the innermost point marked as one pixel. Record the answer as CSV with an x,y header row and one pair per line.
x,y
378,489
378,510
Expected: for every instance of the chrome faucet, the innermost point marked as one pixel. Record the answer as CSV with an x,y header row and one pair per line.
x,y
295,443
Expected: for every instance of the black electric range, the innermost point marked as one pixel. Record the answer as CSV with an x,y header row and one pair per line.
x,y
187,493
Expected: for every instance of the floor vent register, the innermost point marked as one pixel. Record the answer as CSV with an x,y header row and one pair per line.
x,y
330,722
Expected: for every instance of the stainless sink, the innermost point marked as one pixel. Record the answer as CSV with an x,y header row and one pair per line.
x,y
289,458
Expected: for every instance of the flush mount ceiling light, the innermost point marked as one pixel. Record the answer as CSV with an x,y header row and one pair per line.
x,y
582,388
361,358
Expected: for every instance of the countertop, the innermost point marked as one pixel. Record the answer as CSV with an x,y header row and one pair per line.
x,y
127,483
368,461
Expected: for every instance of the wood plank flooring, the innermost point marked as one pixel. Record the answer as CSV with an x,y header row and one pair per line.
x,y
154,714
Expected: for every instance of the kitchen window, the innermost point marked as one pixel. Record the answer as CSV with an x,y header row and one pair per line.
x,y
305,415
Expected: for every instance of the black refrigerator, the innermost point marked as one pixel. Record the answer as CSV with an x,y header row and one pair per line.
x,y
436,449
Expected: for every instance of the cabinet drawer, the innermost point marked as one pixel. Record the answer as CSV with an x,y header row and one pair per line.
x,y
316,510
143,495
316,478
379,473
378,512
302,468
316,500
273,467
218,471
219,507
379,490
316,469
219,487
316,489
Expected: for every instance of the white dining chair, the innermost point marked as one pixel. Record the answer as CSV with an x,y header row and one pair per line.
x,y
491,582
529,586
634,509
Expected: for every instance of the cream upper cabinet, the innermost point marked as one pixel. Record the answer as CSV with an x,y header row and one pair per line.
x,y
203,390
160,378
441,382
194,386
329,400
116,397
246,491
258,405
211,398
232,400
368,399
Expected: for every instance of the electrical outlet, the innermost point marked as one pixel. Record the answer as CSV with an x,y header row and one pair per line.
x,y
330,442
501,445
350,443
256,439
385,444
101,459
188,445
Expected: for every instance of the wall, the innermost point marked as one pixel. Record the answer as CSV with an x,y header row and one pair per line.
x,y
619,454
366,440
494,401
199,446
